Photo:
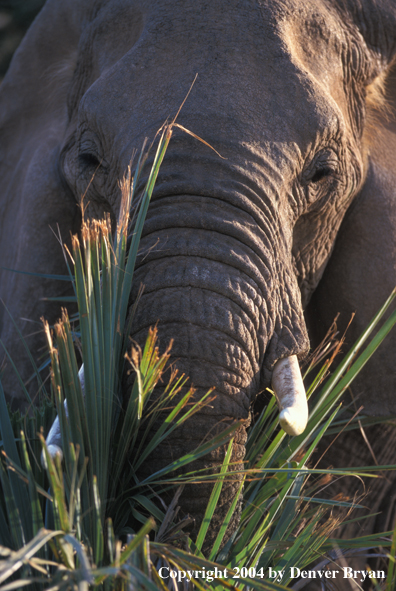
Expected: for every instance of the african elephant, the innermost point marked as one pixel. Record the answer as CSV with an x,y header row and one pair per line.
x,y
291,94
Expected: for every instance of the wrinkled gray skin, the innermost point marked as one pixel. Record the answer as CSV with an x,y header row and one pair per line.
x,y
241,242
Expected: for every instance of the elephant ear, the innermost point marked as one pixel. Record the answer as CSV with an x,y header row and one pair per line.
x,y
375,20
33,122
33,95
362,270
45,56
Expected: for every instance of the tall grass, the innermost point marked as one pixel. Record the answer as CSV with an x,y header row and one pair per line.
x,y
89,522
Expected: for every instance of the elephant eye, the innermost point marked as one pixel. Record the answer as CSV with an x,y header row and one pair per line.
x,y
88,160
93,170
322,168
321,173
321,178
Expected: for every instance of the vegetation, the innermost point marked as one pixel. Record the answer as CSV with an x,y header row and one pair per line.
x,y
88,522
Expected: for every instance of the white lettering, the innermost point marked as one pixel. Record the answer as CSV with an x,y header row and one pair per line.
x,y
294,572
209,576
276,574
160,572
361,575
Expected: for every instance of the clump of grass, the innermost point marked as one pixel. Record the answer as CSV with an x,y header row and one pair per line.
x,y
69,528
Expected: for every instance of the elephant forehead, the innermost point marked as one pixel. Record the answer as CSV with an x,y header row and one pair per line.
x,y
320,47
248,60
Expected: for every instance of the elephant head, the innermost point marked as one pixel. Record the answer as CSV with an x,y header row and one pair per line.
x,y
233,246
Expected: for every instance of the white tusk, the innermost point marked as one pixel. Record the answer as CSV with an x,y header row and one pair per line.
x,y
290,394
54,437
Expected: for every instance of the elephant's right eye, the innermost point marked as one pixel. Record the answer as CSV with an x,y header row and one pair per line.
x,y
321,177
323,166
321,173
93,172
88,160
84,169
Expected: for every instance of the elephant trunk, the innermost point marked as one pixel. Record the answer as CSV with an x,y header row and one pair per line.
x,y
212,285
214,345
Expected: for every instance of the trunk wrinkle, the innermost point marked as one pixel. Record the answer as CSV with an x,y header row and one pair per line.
x,y
220,366
254,317
260,245
205,247
252,297
142,331
245,188
262,220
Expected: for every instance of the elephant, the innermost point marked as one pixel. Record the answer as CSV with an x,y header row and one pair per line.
x,y
297,98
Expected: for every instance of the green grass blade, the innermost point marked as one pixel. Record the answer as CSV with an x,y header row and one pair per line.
x,y
214,497
333,390
55,476
98,541
18,487
37,516
136,541
5,535
15,529
225,524
40,275
151,507
129,271
202,450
